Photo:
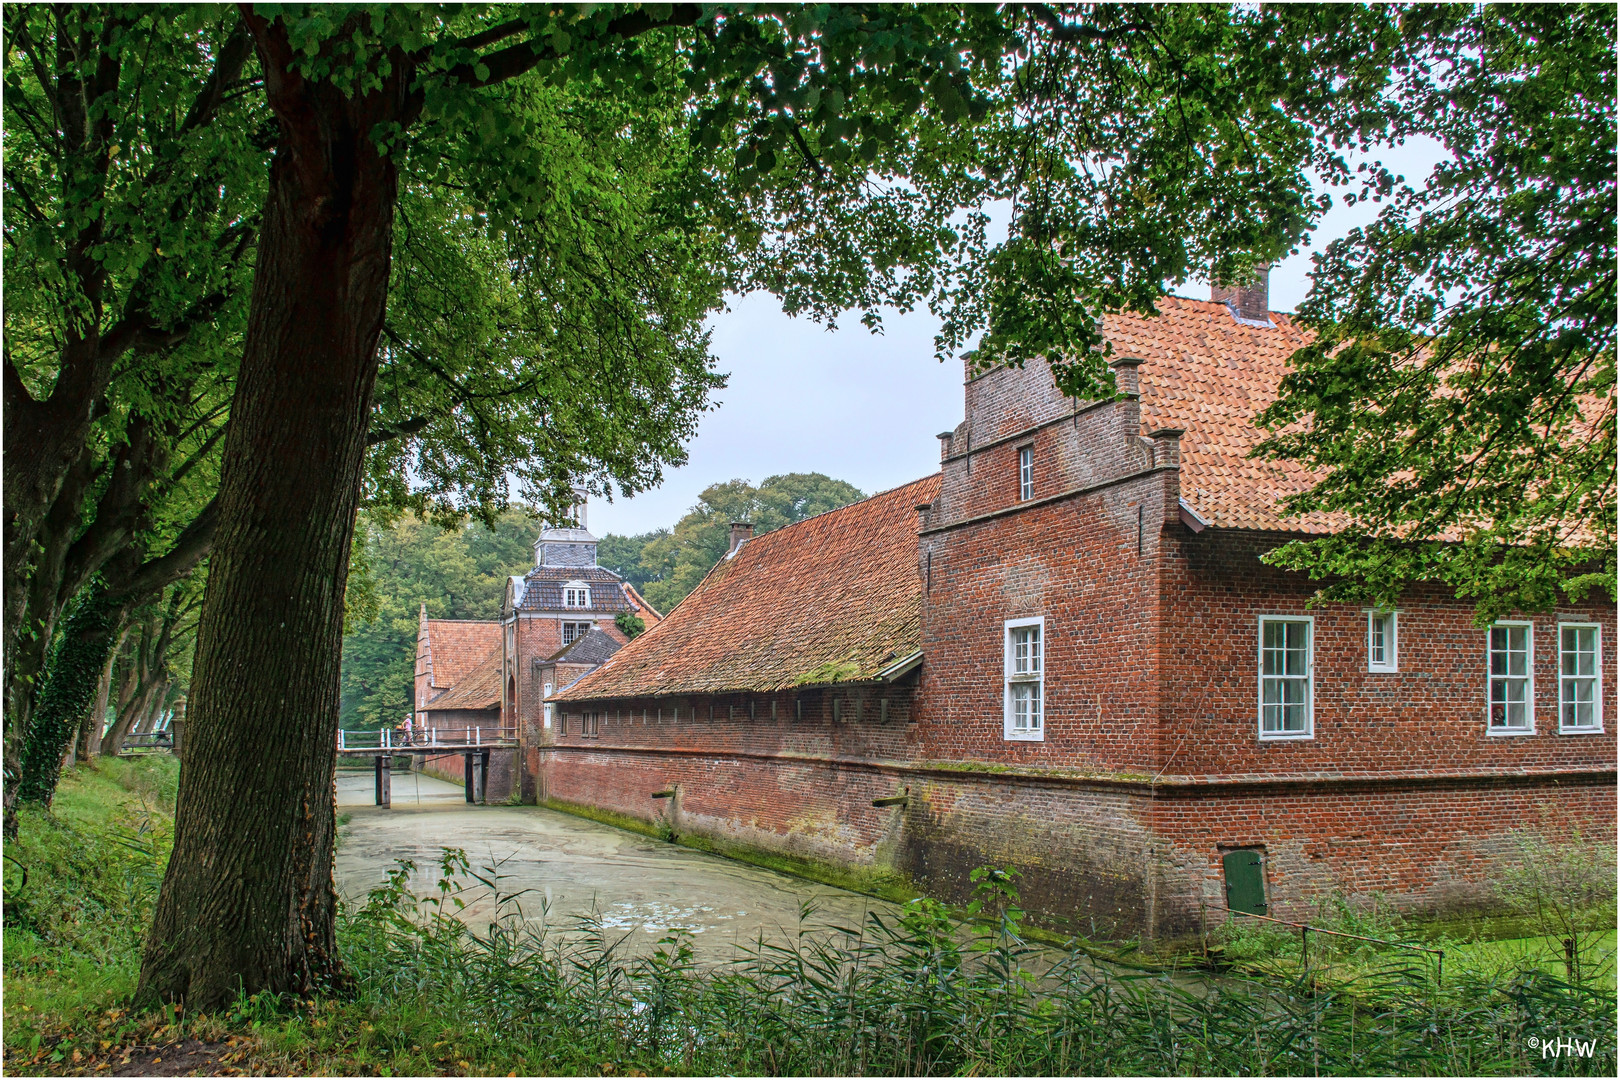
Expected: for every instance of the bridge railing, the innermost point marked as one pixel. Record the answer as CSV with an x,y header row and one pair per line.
x,y
447,737
150,740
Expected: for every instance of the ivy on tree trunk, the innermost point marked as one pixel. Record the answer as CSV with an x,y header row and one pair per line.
x,y
76,665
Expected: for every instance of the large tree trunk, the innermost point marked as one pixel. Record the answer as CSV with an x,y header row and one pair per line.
x,y
248,903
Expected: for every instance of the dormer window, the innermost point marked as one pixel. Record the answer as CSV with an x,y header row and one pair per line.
x,y
1026,473
576,594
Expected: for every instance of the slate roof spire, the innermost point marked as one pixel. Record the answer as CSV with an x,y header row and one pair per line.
x,y
569,543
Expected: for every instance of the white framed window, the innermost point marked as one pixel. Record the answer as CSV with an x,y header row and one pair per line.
x,y
1580,677
1026,472
571,631
1383,643
545,709
576,594
1511,700
1287,693
1024,705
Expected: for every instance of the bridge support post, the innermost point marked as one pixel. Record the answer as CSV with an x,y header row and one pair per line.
x,y
467,770
483,776
385,781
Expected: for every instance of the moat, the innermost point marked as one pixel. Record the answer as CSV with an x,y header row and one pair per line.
x,y
641,887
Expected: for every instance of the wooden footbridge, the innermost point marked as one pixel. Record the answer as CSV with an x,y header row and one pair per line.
x,y
473,744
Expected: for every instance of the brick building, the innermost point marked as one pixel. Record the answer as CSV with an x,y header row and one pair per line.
x,y
558,621
1062,653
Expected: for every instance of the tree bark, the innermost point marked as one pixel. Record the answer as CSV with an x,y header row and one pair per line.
x,y
112,740
96,719
248,903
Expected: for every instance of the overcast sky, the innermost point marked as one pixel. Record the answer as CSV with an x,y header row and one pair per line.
x,y
862,407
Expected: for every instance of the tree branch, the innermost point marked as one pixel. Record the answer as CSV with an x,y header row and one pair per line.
x,y
514,60
193,544
227,69
1061,32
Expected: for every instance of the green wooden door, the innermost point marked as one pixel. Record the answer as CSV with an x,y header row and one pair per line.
x,y
1245,882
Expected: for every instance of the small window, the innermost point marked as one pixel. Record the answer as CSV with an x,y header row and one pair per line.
x,y
1512,689
1025,672
576,594
1580,678
545,710
1381,641
572,631
1285,678
1026,472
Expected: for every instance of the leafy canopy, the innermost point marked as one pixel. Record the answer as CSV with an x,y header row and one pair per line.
x,y
1460,392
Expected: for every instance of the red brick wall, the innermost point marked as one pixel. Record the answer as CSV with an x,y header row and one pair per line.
x,y
1432,846
1074,562
1430,717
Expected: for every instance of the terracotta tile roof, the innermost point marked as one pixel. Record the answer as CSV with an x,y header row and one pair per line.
x,y
832,598
479,688
1208,374
456,646
647,613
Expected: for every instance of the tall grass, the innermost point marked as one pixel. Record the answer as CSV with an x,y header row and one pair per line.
x,y
923,992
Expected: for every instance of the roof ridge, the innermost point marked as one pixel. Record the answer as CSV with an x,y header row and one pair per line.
x,y
1213,303
840,509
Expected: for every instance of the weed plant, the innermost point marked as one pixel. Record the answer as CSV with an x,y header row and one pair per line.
x,y
925,991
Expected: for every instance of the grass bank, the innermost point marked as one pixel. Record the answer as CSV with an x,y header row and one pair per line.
x,y
923,993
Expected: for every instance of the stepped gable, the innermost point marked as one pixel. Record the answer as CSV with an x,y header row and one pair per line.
x,y
593,647
833,598
479,688
1210,374
457,646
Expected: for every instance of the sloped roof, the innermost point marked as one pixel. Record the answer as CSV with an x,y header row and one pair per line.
x,y
543,588
645,611
1210,375
833,598
479,688
456,646
593,647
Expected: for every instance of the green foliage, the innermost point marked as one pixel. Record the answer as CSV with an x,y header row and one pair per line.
x,y
1461,387
670,563
1566,885
69,691
459,573
81,879
912,991
631,626
623,556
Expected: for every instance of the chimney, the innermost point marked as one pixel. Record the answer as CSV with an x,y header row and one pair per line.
x,y
1251,302
741,533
